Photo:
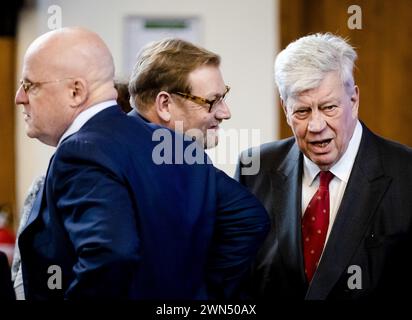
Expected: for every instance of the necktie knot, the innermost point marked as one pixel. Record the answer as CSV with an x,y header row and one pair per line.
x,y
325,178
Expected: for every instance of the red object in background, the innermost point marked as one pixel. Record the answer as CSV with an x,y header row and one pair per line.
x,y
7,241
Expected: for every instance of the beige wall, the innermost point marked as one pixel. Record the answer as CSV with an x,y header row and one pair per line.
x,y
243,32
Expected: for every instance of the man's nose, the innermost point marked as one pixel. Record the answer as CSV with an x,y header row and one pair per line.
x,y
316,122
223,111
21,96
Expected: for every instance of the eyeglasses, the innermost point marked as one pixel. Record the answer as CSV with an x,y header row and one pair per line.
x,y
203,101
28,85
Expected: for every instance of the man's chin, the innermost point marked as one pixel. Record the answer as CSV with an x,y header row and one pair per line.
x,y
324,162
211,142
30,133
208,141
212,138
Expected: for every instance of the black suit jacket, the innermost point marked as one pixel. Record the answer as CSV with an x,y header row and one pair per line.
x,y
370,242
6,288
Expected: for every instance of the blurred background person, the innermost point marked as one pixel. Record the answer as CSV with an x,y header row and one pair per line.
x,y
123,96
16,272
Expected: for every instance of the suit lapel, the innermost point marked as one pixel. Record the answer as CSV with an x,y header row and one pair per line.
x,y
366,187
287,191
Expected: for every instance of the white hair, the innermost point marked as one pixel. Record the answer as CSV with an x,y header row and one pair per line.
x,y
304,63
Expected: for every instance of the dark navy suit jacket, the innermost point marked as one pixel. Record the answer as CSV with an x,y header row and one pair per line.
x,y
117,225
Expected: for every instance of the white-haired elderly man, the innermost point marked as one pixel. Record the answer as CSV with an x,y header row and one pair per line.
x,y
338,195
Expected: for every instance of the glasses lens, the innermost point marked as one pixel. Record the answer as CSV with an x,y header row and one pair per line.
x,y
26,85
218,100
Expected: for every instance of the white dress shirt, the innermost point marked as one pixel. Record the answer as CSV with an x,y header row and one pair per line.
x,y
341,170
85,116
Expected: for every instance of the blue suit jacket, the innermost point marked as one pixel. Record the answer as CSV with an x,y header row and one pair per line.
x,y
118,225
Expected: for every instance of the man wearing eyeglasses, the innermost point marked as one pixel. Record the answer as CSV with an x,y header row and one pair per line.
x,y
180,86
109,222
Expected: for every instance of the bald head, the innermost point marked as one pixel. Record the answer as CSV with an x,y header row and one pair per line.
x,y
75,50
65,72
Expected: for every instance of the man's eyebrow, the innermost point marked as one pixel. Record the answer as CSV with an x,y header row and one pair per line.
x,y
331,100
218,94
300,105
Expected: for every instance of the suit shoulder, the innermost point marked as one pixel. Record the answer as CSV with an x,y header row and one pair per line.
x,y
389,150
265,157
271,151
394,148
396,158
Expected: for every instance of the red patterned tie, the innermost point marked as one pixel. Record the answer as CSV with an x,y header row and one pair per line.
x,y
315,224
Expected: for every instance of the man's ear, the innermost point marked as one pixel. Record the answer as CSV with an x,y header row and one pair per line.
x,y
162,106
355,101
78,91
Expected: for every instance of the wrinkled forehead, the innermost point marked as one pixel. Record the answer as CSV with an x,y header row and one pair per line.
x,y
329,87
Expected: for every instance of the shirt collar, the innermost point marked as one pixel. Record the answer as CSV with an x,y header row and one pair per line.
x,y
340,169
85,116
